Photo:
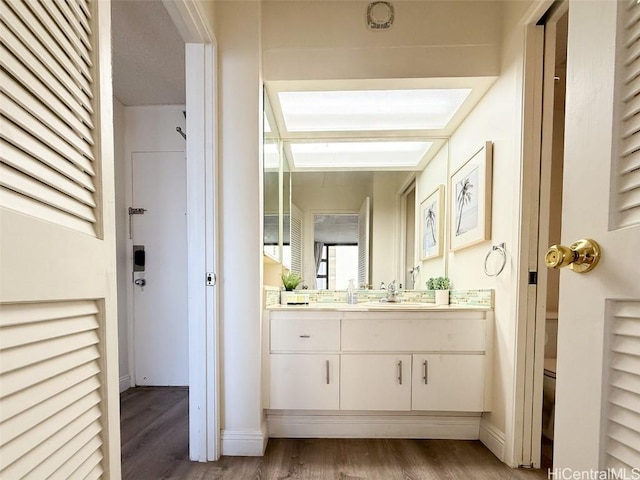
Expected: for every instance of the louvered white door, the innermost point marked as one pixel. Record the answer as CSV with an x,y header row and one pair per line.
x,y
597,412
364,231
296,240
58,340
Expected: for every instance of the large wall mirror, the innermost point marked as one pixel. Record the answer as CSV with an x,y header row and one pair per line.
x,y
280,243
379,143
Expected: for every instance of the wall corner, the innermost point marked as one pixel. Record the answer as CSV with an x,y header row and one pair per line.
x,y
492,438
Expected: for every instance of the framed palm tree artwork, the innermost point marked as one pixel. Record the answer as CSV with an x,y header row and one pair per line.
x,y
431,224
470,200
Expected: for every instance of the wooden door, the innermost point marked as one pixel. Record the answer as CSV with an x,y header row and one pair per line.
x,y
597,395
58,341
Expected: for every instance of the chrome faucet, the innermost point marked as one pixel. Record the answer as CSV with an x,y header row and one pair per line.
x,y
392,292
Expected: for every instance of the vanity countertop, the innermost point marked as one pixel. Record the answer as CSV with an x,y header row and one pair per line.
x,y
380,307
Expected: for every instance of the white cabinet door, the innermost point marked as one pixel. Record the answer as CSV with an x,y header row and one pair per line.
x,y
448,382
304,382
375,382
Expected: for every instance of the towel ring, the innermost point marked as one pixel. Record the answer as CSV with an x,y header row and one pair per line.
x,y
502,251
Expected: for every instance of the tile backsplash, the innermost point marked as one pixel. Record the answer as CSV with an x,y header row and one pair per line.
x,y
271,296
480,297
475,297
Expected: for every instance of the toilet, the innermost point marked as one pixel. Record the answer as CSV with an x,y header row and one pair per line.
x,y
548,397
549,380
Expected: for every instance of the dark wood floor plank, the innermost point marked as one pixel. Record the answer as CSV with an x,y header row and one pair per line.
x,y
154,431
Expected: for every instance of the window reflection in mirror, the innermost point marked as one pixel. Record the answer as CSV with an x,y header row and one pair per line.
x,y
335,245
271,200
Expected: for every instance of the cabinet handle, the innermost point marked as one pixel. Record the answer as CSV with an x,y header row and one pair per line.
x,y
400,372
327,372
425,375
304,335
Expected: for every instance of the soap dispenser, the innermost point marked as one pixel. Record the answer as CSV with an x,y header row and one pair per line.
x,y
352,295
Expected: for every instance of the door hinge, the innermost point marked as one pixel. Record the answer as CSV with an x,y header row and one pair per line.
x,y
211,279
533,278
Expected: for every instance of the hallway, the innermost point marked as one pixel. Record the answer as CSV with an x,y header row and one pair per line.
x,y
154,430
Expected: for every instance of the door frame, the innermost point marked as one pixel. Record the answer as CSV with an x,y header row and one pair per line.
x,y
524,447
408,185
541,243
202,227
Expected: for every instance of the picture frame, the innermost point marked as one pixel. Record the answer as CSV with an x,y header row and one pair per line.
x,y
431,225
470,200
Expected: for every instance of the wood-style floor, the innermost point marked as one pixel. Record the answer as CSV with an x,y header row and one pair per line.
x,y
154,430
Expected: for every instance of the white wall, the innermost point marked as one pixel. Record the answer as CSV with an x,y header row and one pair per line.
x,y
385,229
322,40
498,118
136,129
327,39
240,250
427,181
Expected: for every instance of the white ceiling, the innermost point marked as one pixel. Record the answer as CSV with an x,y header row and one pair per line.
x,y
148,54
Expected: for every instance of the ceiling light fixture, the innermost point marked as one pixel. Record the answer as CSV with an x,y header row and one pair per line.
x,y
370,110
366,155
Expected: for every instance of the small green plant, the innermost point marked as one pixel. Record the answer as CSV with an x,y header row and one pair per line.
x,y
439,283
291,280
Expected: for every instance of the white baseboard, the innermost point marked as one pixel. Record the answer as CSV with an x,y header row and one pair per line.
x,y
492,438
125,382
243,443
373,426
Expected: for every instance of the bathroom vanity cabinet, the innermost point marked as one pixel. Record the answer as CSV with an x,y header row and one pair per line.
x,y
370,361
304,362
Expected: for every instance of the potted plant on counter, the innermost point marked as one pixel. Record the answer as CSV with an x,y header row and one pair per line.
x,y
441,285
290,280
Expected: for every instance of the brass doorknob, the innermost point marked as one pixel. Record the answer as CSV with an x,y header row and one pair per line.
x,y
580,257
